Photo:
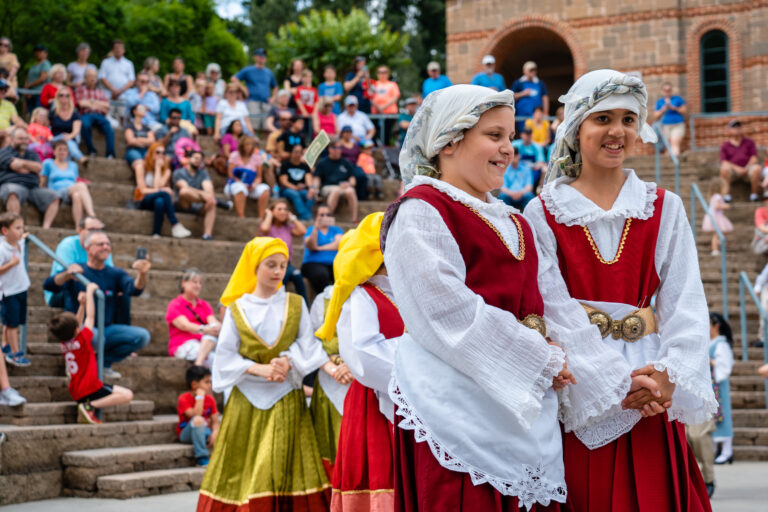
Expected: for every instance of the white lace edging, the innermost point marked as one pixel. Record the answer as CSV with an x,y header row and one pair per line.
x,y
603,432
533,487
551,369
591,412
580,218
492,206
688,383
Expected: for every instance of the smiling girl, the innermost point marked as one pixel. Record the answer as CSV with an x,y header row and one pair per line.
x,y
620,241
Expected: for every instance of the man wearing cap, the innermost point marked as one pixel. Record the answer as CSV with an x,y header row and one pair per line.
x,y
530,92
8,113
362,127
116,72
738,159
261,84
37,77
488,76
671,110
357,83
435,81
404,121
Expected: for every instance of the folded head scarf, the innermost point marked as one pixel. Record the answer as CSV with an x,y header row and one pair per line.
x,y
597,91
358,259
443,118
243,279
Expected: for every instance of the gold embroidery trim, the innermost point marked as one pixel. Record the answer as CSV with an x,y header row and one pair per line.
x,y
405,329
520,241
259,338
624,234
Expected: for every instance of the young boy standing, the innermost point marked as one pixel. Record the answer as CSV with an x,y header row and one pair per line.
x,y
14,283
80,359
198,416
331,89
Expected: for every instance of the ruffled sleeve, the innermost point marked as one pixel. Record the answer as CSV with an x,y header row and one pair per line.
x,y
229,367
306,354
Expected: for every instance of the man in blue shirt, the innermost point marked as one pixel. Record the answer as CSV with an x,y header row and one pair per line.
x,y
435,81
261,84
518,184
531,154
671,110
530,92
488,76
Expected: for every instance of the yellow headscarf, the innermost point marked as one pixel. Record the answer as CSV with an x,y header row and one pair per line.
x,y
359,257
243,279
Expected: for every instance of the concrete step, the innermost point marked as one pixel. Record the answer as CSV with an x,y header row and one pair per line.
x,y
751,418
750,436
55,413
42,365
147,483
748,399
84,467
747,383
745,368
49,388
752,453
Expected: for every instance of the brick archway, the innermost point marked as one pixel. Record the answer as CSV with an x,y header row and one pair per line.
x,y
735,65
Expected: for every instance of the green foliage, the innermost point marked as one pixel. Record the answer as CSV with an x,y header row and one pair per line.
x,y
266,17
323,37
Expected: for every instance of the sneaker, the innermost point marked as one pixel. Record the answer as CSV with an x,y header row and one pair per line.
x,y
207,238
11,397
754,198
18,359
202,462
727,198
109,373
224,205
87,414
157,235
715,253
179,231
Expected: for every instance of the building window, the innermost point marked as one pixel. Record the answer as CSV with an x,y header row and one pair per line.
x,y
715,92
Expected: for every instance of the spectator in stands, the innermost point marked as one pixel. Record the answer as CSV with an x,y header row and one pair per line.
x,y
530,92
357,83
384,96
296,184
291,137
14,283
261,85
330,89
518,184
559,116
294,79
66,124
760,240
138,136
231,138
488,76
171,132
213,75
120,340
405,118
717,207
321,245
208,112
195,191
174,100
77,68
71,250
152,68
540,133
8,395
283,123
37,76
192,325
434,81
367,164
198,417
334,178
9,62
154,193
116,73
58,74
281,107
178,75
738,159
94,107
531,154
231,109
60,174
350,147
323,118
671,110
20,179
761,290
196,101
306,95
8,113
143,95
85,387
362,127
40,133
11,95
280,223
246,177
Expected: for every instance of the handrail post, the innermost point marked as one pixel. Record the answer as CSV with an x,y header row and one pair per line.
x,y
23,330
724,276
743,314
657,157
677,176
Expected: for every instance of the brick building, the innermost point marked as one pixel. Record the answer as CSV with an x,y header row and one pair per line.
x,y
715,52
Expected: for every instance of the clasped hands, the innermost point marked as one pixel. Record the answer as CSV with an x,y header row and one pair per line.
x,y
340,372
275,371
650,392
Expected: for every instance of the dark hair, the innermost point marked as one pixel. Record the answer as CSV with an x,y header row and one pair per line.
x,y
63,325
538,108
8,218
174,110
329,66
723,327
230,129
117,41
296,146
60,142
196,374
82,222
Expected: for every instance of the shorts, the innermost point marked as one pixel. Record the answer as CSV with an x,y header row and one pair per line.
x,y
40,197
191,348
133,154
195,208
260,108
13,310
64,195
99,393
238,187
671,131
327,190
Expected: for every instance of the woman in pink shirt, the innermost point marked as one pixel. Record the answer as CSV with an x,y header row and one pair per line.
x,y
323,118
192,326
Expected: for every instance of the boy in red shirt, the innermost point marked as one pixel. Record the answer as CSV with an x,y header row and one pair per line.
x,y
80,360
198,416
306,94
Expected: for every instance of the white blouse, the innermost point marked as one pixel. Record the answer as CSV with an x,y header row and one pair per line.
x,y
265,316
679,347
334,390
468,378
723,359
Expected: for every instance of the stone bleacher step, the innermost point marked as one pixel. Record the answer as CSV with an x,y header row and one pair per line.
x,y
746,368
750,436
56,413
50,388
147,483
747,383
750,453
84,467
750,418
748,399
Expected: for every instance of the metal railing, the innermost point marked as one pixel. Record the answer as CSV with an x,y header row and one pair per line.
x,y
100,300
735,115
697,196
657,153
745,284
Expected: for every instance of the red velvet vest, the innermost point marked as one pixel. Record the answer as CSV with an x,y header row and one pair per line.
x,y
492,271
390,323
631,280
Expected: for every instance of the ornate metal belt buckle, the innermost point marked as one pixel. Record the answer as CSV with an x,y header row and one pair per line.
x,y
536,323
602,321
632,328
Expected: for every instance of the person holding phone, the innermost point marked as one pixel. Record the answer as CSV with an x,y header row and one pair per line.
x,y
322,244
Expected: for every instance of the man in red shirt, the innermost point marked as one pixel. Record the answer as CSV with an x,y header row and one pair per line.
x,y
198,415
738,159
80,360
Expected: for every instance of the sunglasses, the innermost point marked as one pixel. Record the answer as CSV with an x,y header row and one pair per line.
x,y
5,44
102,244
335,147
175,118
323,214
63,95
159,151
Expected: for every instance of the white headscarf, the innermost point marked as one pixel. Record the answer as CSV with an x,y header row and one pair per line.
x,y
443,118
597,91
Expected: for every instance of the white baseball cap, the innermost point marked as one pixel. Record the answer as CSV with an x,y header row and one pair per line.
x,y
489,59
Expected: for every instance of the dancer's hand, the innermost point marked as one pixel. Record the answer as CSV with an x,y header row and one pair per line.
x,y
279,369
649,385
